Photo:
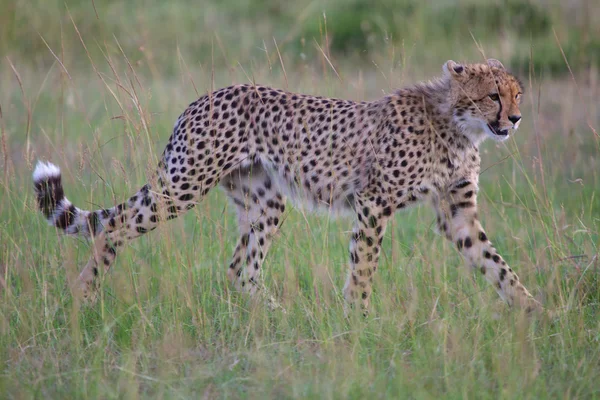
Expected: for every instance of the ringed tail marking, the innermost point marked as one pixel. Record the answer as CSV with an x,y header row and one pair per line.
x,y
58,210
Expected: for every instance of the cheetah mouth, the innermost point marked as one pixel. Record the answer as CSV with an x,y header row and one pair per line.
x,y
498,132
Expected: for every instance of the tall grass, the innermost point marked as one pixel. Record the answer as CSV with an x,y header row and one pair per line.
x,y
167,323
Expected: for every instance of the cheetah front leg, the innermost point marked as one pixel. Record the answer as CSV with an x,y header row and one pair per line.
x,y
457,219
365,247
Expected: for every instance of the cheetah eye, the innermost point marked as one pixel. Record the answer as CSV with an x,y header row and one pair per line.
x,y
494,97
518,96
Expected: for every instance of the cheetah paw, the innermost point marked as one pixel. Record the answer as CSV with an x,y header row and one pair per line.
x,y
86,292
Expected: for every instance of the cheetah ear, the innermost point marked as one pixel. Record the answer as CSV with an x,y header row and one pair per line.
x,y
492,62
453,69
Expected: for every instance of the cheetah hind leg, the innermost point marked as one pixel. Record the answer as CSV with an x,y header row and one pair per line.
x,y
139,215
259,208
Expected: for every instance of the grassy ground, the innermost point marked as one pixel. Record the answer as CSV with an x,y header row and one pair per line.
x,y
168,325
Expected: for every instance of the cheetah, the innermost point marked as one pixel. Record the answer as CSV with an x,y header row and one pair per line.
x,y
419,144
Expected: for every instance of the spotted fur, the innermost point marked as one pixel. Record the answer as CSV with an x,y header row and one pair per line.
x,y
370,159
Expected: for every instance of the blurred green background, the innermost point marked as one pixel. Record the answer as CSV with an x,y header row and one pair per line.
x,y
95,87
152,32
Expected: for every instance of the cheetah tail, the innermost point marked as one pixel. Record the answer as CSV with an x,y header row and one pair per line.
x,y
58,210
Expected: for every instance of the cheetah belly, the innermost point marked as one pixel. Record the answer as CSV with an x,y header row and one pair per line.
x,y
338,203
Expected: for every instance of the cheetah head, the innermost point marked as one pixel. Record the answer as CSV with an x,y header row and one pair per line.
x,y
484,99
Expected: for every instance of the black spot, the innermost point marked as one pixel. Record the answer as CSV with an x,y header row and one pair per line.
x,y
453,210
502,274
372,221
66,218
482,236
463,204
186,197
468,242
487,254
462,184
146,201
496,258
244,239
94,222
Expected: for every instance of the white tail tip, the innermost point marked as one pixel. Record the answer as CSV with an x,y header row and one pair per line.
x,y
43,171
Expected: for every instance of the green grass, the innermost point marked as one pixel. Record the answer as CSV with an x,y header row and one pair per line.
x,y
168,324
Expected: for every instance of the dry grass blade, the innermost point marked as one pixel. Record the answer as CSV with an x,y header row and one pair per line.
x,y
27,105
282,65
3,140
328,61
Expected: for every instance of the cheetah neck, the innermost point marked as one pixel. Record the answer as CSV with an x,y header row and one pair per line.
x,y
436,93
474,131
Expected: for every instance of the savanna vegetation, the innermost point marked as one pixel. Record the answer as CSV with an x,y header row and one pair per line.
x,y
95,87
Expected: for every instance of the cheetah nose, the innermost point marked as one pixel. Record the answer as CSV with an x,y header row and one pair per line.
x,y
514,118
